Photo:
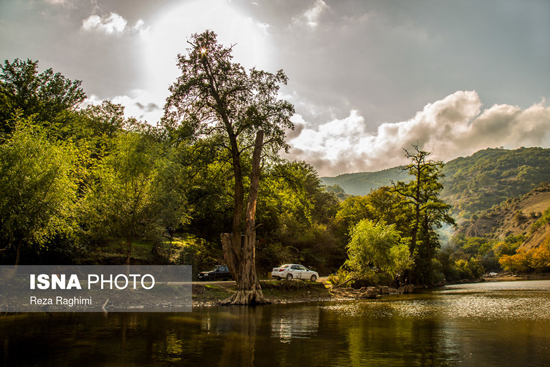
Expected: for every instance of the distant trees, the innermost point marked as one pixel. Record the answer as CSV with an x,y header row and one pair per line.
x,y
217,97
527,260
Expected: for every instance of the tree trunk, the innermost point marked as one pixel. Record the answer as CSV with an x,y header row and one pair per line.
x,y
242,260
18,255
17,258
128,251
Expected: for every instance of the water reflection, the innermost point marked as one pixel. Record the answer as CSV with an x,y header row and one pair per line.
x,y
300,322
491,324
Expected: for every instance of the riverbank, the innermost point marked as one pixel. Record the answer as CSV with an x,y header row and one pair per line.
x,y
281,292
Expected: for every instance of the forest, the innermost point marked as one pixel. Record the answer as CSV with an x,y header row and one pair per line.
x,y
87,185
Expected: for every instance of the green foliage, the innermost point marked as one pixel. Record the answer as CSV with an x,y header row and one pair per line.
x,y
377,248
129,199
380,205
296,213
337,190
543,220
43,96
491,176
37,192
342,278
473,183
429,211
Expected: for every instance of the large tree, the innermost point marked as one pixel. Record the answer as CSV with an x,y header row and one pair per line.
x,y
422,194
215,96
41,95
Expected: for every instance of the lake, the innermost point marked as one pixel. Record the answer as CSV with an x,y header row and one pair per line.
x,y
483,324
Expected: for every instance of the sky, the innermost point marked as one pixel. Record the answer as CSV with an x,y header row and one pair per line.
x,y
367,78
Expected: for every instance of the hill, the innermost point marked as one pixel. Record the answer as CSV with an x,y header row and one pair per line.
x,y
363,182
472,184
491,176
512,217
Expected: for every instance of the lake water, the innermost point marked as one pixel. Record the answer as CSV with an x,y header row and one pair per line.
x,y
484,324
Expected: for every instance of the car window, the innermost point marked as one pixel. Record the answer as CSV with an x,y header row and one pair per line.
x,y
295,267
223,268
300,267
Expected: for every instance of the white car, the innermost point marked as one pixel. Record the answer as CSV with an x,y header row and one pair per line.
x,y
294,271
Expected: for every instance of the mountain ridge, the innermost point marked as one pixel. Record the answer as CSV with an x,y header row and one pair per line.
x,y
472,184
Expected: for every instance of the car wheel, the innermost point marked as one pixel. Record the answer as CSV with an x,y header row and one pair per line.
x,y
289,277
313,278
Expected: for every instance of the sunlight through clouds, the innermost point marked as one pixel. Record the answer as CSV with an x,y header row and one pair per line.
x,y
168,35
113,24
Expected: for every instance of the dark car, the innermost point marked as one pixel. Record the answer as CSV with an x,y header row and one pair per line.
x,y
220,272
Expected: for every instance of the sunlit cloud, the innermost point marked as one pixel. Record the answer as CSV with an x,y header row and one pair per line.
x,y
451,127
112,24
57,2
139,104
310,17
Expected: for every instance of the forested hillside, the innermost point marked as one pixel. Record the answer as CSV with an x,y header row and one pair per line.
x,y
491,176
362,183
513,217
471,184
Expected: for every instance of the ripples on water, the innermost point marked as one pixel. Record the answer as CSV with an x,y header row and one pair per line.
x,y
485,324
490,301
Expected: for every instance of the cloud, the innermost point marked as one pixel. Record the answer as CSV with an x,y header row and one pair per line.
x,y
56,2
140,104
112,24
452,127
311,16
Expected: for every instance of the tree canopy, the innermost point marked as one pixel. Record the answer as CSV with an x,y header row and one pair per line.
x,y
216,97
41,95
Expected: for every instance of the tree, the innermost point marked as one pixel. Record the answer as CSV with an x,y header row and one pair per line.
x,y
37,192
129,199
42,96
376,247
429,211
217,97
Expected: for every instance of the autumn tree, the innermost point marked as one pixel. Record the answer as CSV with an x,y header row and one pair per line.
x,y
215,96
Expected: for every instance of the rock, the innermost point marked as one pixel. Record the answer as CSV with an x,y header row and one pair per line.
x,y
384,289
368,292
406,289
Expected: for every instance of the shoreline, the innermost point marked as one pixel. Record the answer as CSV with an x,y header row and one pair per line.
x,y
277,292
